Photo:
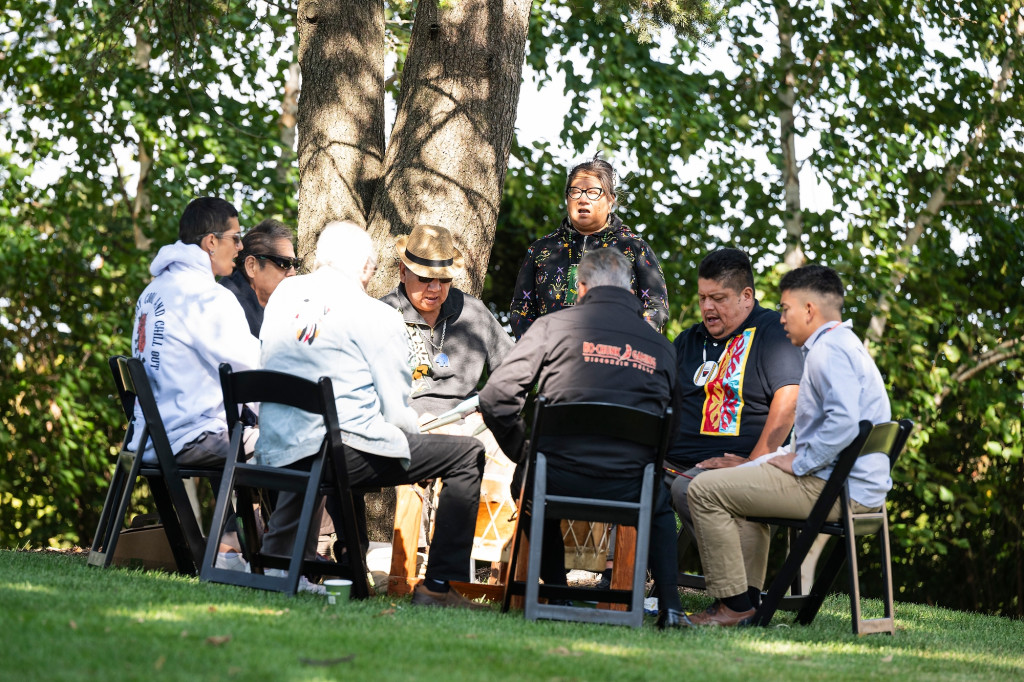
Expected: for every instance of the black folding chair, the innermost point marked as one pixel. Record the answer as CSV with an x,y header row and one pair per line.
x,y
165,477
588,421
328,473
888,438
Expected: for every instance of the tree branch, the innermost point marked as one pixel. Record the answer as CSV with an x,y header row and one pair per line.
x,y
954,168
1010,348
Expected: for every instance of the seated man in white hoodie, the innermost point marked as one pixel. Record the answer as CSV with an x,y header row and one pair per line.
x,y
186,325
325,324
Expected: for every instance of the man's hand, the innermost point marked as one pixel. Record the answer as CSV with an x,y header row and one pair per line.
x,y
784,462
724,462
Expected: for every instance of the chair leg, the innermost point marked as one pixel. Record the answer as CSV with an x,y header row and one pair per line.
x,y
353,545
538,512
221,511
854,577
886,624
172,526
310,503
249,537
887,572
195,539
784,579
114,509
822,584
514,571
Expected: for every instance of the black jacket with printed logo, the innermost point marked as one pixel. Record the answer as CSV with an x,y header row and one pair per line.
x,y
601,350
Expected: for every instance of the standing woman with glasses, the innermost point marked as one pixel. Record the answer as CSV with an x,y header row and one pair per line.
x,y
267,257
547,279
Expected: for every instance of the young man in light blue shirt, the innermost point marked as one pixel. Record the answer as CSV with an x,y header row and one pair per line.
x,y
840,387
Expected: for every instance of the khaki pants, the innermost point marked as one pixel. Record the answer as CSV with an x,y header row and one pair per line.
x,y
733,551
750,533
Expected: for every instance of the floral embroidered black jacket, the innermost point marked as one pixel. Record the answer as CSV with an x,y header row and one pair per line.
x,y
544,283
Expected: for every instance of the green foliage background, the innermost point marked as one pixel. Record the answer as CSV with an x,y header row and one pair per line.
x,y
888,110
71,263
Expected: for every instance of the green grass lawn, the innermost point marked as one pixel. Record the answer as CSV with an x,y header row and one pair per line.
x,y
63,620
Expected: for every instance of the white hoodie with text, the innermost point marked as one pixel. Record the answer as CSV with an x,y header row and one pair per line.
x,y
186,325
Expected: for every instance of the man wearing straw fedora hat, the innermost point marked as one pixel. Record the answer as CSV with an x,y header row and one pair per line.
x,y
453,337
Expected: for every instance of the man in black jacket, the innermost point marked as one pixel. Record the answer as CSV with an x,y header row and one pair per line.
x,y
600,350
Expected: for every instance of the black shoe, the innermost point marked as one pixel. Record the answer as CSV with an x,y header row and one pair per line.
x,y
672,619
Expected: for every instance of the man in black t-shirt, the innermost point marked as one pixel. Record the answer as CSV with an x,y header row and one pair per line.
x,y
738,377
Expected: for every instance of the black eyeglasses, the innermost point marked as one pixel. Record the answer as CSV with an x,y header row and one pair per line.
x,y
428,280
237,236
594,193
280,261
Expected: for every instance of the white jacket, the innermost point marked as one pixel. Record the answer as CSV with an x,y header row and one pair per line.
x,y
185,326
324,324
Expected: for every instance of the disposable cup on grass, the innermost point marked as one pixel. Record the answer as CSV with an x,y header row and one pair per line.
x,y
337,591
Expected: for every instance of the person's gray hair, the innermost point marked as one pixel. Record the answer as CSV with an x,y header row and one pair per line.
x,y
605,268
345,247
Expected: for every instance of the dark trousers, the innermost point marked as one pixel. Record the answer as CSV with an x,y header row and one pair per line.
x,y
457,460
661,559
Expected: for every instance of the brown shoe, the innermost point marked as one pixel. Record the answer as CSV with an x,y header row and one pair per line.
x,y
421,596
720,614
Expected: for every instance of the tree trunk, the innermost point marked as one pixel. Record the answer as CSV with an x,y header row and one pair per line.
x,y
794,217
142,206
448,152
341,112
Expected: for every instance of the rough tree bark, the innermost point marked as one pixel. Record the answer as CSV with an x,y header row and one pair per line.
x,y
341,112
448,152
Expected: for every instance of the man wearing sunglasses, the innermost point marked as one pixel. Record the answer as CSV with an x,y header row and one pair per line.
x,y
267,257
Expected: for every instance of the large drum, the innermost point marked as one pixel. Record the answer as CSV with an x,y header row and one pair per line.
x,y
586,544
496,515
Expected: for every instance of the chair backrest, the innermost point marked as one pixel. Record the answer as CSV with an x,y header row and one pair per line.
x,y
906,427
269,386
602,420
871,438
888,438
133,386
126,397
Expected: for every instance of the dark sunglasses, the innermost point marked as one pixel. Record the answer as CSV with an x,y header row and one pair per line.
x,y
428,280
280,261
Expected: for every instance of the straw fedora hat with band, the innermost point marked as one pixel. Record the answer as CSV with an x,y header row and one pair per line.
x,y
429,251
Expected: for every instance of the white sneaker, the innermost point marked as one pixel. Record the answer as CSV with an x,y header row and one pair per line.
x,y
312,588
304,584
231,561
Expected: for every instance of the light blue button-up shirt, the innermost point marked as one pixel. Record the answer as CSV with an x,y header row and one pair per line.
x,y
840,387
324,324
